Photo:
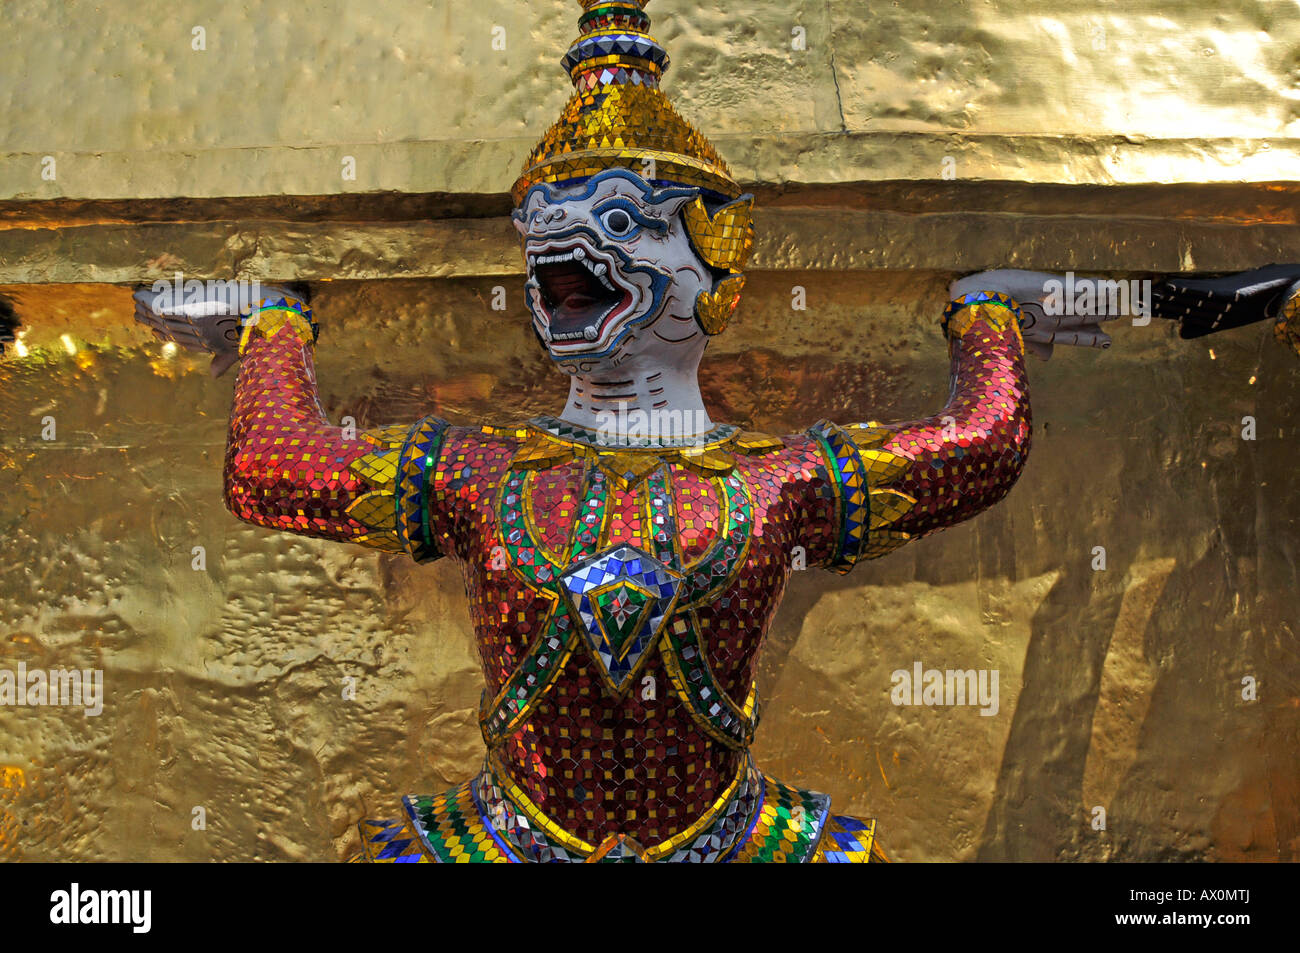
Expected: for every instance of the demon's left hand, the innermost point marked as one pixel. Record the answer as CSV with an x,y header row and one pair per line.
x,y
1041,328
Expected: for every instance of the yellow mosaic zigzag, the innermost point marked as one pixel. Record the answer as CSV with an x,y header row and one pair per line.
x,y
627,467
725,239
888,506
715,310
268,322
377,509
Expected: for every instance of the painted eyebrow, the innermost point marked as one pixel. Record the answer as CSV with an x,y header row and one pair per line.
x,y
642,201
636,198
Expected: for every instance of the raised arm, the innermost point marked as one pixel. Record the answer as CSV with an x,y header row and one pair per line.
x,y
287,468
897,482
892,483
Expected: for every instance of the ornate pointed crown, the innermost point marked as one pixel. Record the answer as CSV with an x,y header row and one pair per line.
x,y
618,117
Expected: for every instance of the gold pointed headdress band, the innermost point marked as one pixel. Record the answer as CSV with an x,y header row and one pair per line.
x,y
618,117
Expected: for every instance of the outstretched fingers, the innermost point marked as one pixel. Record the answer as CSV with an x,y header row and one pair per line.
x,y
209,326
146,315
1042,331
1036,315
1089,336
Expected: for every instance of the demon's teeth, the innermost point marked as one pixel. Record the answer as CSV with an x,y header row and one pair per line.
x,y
590,334
600,269
576,254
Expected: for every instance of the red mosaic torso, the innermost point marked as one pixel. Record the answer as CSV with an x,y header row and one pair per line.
x,y
647,760
605,724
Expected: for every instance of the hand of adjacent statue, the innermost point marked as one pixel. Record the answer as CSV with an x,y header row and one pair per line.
x,y
1204,306
205,321
1032,290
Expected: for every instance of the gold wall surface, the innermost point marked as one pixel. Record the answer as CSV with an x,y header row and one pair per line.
x,y
1030,90
1131,139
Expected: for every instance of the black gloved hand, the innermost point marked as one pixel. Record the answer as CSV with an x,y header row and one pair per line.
x,y
1209,305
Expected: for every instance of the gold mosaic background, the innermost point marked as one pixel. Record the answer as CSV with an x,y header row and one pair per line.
x,y
1174,148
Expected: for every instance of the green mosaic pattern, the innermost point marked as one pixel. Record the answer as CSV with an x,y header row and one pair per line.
x,y
789,826
550,651
452,830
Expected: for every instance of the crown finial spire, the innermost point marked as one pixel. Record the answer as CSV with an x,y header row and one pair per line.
x,y
614,46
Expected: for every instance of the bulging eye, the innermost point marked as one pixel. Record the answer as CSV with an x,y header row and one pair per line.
x,y
618,223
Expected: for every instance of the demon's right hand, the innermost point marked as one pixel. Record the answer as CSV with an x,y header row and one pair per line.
x,y
205,317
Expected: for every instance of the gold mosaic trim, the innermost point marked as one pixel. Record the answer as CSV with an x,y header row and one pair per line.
x,y
629,466
557,558
998,315
677,676
616,60
576,844
669,166
377,509
268,322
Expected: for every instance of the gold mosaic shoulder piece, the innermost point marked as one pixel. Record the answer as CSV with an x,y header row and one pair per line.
x,y
753,443
540,452
710,461
394,510
868,435
628,469
511,433
869,510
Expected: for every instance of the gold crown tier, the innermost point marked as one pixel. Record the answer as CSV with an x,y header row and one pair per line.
x,y
618,117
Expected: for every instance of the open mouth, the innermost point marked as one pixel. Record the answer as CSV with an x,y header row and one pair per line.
x,y
579,293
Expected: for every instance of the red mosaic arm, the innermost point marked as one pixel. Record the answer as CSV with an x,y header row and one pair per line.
x,y
288,468
898,482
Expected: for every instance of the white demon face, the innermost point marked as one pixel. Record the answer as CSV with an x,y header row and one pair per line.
x,y
611,271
